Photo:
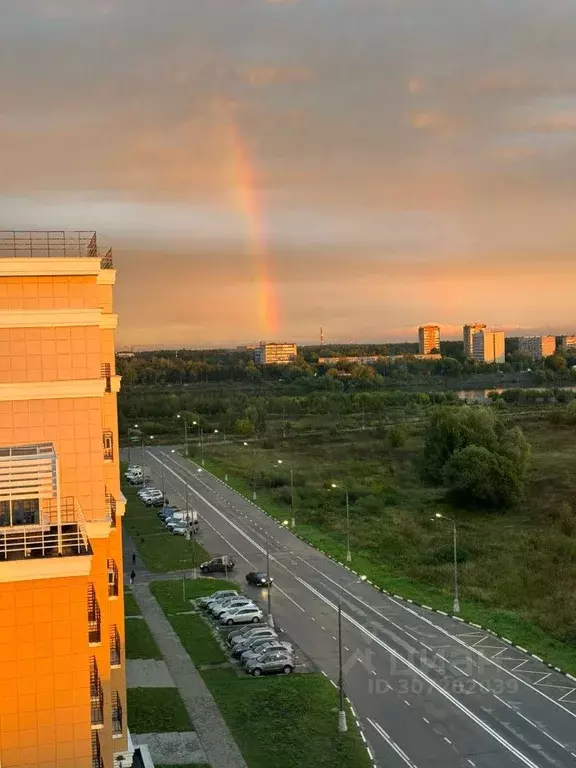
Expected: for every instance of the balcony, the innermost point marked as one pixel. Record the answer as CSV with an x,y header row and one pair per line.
x,y
108,445
111,509
94,617
115,647
106,373
35,522
96,696
112,579
55,244
116,714
97,761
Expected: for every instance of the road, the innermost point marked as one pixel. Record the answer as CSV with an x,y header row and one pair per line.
x,y
429,691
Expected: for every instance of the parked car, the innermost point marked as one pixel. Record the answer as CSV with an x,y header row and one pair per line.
x,y
221,594
132,469
225,606
148,492
236,635
246,641
249,613
253,642
155,501
218,565
270,664
167,512
258,579
261,649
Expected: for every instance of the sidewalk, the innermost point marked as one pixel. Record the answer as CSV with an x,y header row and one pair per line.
x,y
215,738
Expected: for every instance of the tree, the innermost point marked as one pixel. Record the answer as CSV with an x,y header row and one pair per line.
x,y
472,452
396,436
243,427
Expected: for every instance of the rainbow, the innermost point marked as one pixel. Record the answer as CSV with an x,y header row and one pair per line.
x,y
245,185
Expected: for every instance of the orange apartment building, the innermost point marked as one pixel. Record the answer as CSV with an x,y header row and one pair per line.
x,y
62,670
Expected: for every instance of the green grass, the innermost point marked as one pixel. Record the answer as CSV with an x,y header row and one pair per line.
x,y
139,641
188,765
156,710
286,721
131,607
158,548
193,631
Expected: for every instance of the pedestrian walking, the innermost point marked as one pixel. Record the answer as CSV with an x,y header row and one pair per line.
x,y
133,558
132,577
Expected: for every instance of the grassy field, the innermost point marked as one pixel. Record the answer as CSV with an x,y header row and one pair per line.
x,y
139,641
192,630
509,563
158,548
131,607
299,727
156,710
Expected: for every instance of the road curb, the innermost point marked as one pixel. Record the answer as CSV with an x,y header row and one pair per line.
x,y
384,591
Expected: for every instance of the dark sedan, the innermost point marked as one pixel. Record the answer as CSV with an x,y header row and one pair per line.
x,y
258,579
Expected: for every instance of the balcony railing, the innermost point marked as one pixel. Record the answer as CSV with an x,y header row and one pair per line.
x,y
94,617
116,714
96,695
59,530
108,444
112,579
111,509
106,373
115,647
97,761
48,243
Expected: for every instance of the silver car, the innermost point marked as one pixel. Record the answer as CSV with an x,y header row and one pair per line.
x,y
222,594
262,649
239,602
258,633
269,636
271,664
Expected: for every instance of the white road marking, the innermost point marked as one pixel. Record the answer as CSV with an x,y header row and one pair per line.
x,y
400,752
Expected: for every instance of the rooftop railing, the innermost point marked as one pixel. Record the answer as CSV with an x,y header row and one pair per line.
x,y
17,243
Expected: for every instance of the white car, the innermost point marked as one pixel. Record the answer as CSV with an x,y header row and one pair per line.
x,y
262,649
222,594
251,634
226,606
151,494
132,470
245,615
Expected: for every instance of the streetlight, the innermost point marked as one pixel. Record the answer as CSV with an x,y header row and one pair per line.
x,y
293,520
179,416
270,617
342,725
348,553
440,516
253,473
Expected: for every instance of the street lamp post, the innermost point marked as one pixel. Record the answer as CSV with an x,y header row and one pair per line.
x,y
270,617
253,473
348,553
440,516
293,520
342,724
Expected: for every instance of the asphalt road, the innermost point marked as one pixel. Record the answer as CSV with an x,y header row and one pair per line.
x,y
429,691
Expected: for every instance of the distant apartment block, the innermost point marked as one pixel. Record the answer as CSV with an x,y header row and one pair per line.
x,y
62,676
470,330
568,342
371,359
275,353
429,339
489,346
537,346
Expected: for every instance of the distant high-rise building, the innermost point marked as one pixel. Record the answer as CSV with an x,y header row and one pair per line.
x,y
429,339
275,353
489,346
470,329
568,342
537,346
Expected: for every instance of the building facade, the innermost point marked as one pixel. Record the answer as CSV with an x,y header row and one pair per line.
x,y
489,347
568,342
62,670
537,346
275,353
429,339
470,329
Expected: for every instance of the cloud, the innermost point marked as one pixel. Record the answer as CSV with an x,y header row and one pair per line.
x,y
416,85
263,75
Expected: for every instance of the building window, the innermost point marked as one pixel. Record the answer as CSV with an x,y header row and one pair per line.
x,y
116,714
106,373
96,695
20,512
115,648
94,619
112,579
108,441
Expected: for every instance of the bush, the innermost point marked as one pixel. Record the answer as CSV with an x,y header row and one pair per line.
x,y
397,436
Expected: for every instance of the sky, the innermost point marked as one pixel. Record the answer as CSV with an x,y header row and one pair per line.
x,y
262,168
